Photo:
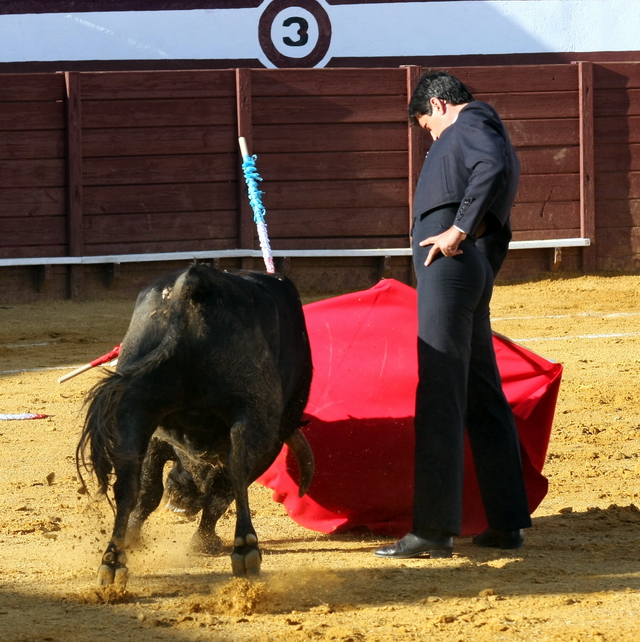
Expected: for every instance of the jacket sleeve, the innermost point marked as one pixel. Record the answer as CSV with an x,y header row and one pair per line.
x,y
482,149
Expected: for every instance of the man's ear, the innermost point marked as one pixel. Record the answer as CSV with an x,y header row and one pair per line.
x,y
438,105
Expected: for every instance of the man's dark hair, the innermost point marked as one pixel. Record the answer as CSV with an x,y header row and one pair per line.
x,y
436,84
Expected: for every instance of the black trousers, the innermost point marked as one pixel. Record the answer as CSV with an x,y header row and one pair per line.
x,y
459,386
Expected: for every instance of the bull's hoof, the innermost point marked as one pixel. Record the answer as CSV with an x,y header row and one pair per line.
x,y
246,557
113,569
205,543
106,575
121,577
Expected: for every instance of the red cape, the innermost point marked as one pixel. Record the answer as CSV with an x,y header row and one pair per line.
x,y
360,414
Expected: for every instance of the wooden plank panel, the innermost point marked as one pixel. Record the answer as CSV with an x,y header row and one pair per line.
x,y
158,84
47,172
546,160
337,277
543,105
133,277
132,170
617,158
177,226
616,75
619,241
619,213
328,82
528,134
339,194
617,130
158,141
45,230
546,216
522,105
341,243
535,188
369,221
332,166
617,185
522,78
551,131
160,198
33,144
28,252
524,264
618,102
618,263
532,78
544,234
27,116
158,113
330,137
32,201
148,246
334,109
32,87
21,285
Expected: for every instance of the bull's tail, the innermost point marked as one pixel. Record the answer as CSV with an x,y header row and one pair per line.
x,y
301,449
100,438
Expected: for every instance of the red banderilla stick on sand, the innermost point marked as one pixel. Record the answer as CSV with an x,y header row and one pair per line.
x,y
105,358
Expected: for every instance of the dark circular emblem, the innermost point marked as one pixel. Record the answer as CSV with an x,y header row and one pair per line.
x,y
294,33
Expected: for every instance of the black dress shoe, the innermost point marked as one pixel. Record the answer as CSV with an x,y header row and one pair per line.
x,y
496,538
414,546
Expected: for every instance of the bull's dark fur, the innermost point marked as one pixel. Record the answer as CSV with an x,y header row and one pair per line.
x,y
216,367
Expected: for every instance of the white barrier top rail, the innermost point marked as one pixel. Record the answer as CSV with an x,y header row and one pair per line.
x,y
239,253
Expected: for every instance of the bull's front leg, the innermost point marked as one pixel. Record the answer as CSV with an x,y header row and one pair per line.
x,y
245,557
113,569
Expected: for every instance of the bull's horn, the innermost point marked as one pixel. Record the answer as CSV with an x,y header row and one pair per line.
x,y
300,447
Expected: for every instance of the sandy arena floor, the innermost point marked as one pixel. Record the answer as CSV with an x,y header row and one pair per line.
x,y
577,578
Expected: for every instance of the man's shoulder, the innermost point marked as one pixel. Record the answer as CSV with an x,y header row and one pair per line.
x,y
479,119
480,109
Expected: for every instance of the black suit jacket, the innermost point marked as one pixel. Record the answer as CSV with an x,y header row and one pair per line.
x,y
474,167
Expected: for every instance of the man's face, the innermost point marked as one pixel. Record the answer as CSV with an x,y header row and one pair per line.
x,y
439,119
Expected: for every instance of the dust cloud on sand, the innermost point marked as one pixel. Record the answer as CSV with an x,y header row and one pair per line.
x,y
577,578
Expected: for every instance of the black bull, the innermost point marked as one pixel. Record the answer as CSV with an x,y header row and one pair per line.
x,y
214,373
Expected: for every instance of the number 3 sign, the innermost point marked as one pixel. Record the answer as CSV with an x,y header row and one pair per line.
x,y
294,33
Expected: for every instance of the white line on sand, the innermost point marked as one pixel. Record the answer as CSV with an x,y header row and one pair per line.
x,y
579,336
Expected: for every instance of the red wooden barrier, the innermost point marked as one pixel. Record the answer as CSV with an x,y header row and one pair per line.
x,y
147,161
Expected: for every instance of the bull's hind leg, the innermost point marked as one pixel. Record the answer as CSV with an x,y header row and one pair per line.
x,y
219,495
113,568
151,487
246,557
127,468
